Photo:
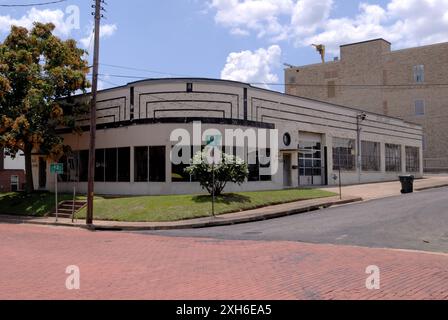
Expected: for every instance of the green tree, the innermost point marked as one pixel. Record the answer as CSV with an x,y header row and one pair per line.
x,y
39,74
229,169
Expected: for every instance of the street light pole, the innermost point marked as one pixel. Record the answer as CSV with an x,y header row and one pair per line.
x,y
360,117
92,161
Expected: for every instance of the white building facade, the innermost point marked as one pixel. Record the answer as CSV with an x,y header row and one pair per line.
x,y
315,139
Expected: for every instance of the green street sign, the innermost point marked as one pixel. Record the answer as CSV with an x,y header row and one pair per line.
x,y
57,168
213,141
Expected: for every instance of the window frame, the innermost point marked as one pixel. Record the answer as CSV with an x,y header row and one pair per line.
x,y
412,164
17,184
393,163
368,160
422,106
350,157
419,73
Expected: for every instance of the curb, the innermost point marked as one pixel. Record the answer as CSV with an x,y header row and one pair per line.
x,y
432,187
216,222
213,222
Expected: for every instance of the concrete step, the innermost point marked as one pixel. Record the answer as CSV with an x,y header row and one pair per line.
x,y
65,208
70,207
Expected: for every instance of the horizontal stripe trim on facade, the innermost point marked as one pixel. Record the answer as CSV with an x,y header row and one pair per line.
x,y
336,127
176,120
330,112
351,123
190,107
234,95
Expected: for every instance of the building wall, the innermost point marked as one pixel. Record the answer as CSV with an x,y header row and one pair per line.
x,y
5,179
151,110
371,77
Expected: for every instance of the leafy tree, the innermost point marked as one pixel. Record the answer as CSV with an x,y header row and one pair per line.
x,y
229,169
39,74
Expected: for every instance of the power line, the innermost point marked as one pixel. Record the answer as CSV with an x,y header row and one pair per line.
x,y
361,86
144,70
32,4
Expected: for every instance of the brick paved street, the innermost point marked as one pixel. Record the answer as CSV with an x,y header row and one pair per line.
x,y
133,266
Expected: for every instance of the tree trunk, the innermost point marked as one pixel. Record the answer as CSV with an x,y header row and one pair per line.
x,y
29,188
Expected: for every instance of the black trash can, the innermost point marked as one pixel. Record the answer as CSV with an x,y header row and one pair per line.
x,y
407,184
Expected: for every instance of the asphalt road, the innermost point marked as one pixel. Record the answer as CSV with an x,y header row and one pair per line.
x,y
416,221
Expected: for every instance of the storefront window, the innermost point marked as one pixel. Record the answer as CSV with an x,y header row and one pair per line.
x,y
393,158
412,159
371,156
344,154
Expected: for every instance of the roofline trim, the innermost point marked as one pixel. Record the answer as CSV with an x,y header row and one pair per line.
x,y
362,42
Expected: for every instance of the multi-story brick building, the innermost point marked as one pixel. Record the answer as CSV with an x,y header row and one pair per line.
x,y
411,84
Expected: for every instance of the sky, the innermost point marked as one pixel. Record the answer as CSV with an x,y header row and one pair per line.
x,y
242,40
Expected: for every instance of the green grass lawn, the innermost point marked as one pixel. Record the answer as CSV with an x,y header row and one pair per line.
x,y
156,208
36,204
181,207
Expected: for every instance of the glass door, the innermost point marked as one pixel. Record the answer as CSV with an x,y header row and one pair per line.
x,y
311,166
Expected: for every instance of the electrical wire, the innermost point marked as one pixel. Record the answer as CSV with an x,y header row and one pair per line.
x,y
355,86
32,4
144,70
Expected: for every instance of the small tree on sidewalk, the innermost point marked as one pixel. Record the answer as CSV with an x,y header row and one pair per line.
x,y
230,169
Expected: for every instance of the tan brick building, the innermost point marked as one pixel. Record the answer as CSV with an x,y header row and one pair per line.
x,y
411,84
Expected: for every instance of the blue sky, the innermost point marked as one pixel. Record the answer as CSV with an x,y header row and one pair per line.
x,y
245,40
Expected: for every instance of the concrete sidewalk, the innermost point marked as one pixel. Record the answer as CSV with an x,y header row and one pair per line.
x,y
221,220
389,189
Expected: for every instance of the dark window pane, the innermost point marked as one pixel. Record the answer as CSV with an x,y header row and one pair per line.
x,y
393,158
412,159
265,178
124,164
157,164
254,169
111,165
141,164
63,177
99,165
178,173
83,165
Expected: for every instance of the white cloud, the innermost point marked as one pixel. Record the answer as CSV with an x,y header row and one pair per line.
x,y
253,67
403,22
65,23
308,16
62,21
106,30
260,16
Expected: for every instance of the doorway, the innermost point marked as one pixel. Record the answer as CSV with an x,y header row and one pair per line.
x,y
287,162
42,173
311,160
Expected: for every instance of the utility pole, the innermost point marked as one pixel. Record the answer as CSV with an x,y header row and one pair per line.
x,y
91,173
359,118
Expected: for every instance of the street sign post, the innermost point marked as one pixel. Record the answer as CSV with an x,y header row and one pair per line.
x,y
213,142
56,169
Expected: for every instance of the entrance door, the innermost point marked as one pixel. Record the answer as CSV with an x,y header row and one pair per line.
x,y
287,161
311,163
42,173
